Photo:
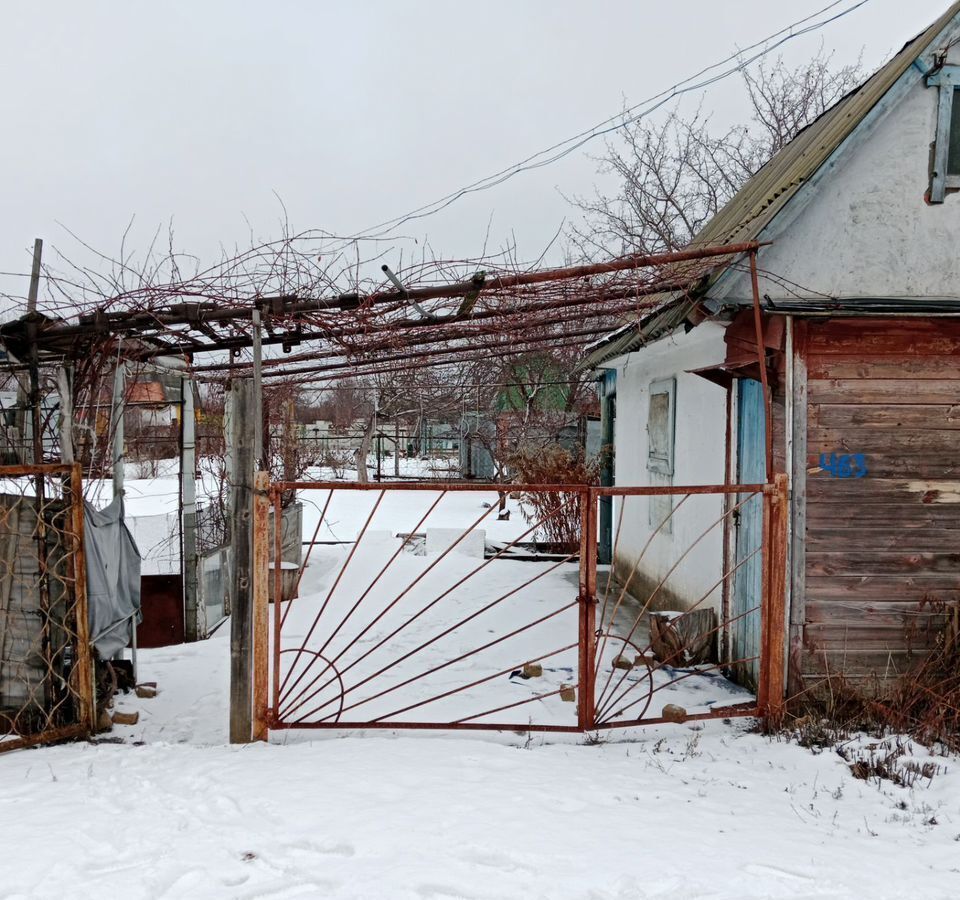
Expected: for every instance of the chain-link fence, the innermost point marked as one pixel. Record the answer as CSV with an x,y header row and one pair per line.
x,y
46,676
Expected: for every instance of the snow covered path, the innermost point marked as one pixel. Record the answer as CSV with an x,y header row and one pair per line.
x,y
676,811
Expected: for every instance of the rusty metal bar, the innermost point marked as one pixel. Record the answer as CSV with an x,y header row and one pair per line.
x,y
450,662
333,588
762,358
379,575
261,605
278,620
588,610
382,613
486,488
673,681
668,573
636,568
724,623
472,684
734,711
416,615
490,712
316,531
605,714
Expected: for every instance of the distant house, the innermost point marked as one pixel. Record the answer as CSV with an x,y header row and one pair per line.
x,y
860,291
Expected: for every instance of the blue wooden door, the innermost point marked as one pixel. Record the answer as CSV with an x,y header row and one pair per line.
x,y
747,581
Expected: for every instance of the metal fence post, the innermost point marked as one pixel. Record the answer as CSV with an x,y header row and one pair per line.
x,y
586,710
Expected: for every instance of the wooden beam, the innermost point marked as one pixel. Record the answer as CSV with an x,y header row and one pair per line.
x,y
242,439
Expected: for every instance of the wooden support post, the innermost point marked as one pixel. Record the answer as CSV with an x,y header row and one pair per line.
x,y
119,388
770,695
586,708
65,390
243,440
83,668
261,603
194,627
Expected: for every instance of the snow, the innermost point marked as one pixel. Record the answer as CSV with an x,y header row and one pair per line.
x,y
701,810
673,811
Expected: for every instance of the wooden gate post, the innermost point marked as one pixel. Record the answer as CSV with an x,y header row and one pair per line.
x,y
586,709
261,602
243,428
770,695
86,690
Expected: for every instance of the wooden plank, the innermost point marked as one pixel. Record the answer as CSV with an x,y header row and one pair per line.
x,y
859,664
881,537
882,587
895,365
934,466
876,417
886,391
880,612
864,637
860,337
878,562
878,440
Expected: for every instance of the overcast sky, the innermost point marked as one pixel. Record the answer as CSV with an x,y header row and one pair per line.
x,y
352,112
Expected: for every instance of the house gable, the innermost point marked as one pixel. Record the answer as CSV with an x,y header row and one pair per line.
x,y
861,229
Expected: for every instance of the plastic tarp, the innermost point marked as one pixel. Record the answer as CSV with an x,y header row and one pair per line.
x,y
113,578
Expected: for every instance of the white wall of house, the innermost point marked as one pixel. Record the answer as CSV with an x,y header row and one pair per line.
x,y
861,227
699,458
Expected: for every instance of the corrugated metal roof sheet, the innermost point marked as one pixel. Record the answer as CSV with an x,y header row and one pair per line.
x,y
765,194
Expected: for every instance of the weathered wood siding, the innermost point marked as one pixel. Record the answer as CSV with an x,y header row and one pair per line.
x,y
882,550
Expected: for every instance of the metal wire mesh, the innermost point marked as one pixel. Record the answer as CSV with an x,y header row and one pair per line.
x,y
45,664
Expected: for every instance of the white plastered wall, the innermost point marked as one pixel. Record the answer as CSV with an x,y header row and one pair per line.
x,y
699,458
861,228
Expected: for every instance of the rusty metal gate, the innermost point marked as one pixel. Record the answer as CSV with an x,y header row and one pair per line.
x,y
402,616
46,668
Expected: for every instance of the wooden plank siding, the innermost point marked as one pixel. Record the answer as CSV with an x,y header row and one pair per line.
x,y
882,552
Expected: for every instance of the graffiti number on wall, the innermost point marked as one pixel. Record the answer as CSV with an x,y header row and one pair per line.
x,y
844,465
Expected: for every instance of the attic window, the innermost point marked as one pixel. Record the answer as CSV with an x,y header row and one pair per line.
x,y
945,174
953,152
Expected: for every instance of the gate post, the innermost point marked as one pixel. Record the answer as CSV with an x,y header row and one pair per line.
x,y
586,709
261,627
86,689
770,693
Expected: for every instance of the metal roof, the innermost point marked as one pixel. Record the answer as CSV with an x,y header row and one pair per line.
x,y
764,195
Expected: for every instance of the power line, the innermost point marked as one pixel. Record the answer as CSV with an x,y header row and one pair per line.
x,y
630,115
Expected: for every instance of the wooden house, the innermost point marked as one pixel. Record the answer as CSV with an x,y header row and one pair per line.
x,y
859,290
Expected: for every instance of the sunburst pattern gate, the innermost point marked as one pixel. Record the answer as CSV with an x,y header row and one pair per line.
x,y
406,617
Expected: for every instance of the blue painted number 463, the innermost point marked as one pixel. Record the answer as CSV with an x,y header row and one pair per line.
x,y
844,465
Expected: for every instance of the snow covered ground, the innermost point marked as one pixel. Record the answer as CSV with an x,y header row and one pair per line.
x,y
668,812
168,809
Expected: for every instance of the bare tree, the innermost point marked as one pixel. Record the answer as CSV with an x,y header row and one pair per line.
x,y
674,176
